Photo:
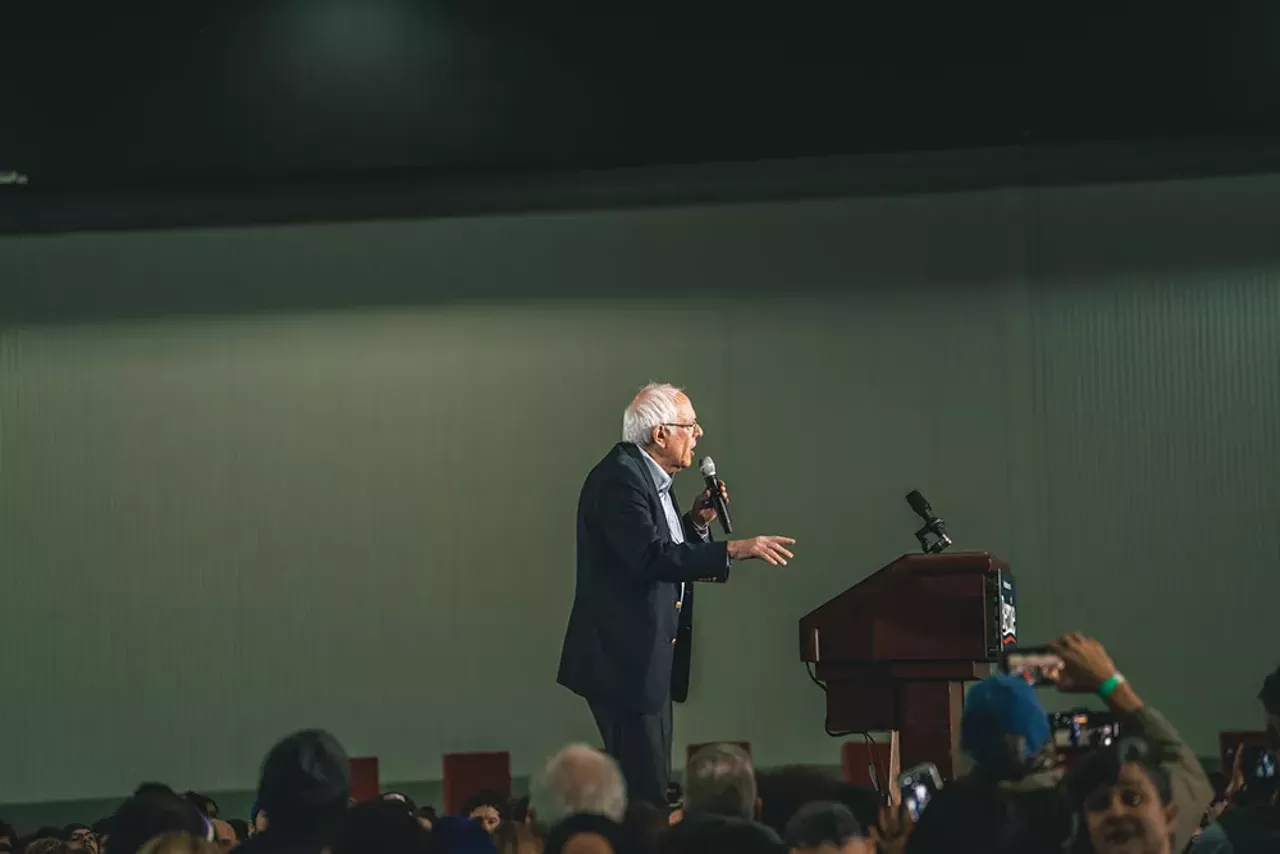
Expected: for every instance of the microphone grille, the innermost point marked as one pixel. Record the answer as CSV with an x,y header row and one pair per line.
x,y
707,467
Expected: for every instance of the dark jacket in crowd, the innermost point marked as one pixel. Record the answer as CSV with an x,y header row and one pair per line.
x,y
718,834
620,839
1242,830
1028,816
304,789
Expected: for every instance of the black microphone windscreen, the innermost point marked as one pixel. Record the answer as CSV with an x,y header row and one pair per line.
x,y
919,505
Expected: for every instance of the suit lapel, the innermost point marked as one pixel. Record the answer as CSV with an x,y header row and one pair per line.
x,y
655,503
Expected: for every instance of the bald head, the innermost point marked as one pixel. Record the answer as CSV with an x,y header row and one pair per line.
x,y
720,780
579,779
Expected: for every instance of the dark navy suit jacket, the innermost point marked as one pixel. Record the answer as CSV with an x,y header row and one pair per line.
x,y
624,627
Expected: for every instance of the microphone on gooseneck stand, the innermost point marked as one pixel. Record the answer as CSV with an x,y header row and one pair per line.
x,y
708,469
932,525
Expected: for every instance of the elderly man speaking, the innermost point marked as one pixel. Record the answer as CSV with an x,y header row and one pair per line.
x,y
638,557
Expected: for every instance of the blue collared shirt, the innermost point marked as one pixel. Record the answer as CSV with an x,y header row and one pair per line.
x,y
662,481
675,525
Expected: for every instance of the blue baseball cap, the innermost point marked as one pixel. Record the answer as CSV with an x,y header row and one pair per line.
x,y
997,708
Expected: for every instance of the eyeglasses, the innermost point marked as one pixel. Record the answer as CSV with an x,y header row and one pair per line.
x,y
694,425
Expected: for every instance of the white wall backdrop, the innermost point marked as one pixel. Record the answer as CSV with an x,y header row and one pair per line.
x,y
216,529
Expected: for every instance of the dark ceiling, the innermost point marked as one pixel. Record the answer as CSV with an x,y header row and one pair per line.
x,y
101,102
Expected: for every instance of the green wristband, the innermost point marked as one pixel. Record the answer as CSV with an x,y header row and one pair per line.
x,y
1107,688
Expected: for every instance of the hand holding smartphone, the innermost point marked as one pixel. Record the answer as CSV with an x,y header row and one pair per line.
x,y
918,785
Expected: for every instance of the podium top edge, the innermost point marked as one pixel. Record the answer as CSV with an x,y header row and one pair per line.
x,y
953,560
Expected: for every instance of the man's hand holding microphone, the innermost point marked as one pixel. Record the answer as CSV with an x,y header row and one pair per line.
x,y
713,503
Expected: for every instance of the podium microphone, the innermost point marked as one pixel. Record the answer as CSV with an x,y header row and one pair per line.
x,y
708,469
932,525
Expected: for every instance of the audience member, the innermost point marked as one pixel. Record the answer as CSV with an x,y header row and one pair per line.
x,y
458,835
719,779
827,828
578,780
720,835
102,830
46,845
257,820
304,788
1011,800
784,791
1145,794
152,810
1269,696
518,810
488,809
646,823
179,843
207,806
79,837
720,805
1221,800
381,826
406,802
514,837
1016,779
589,833
1126,799
224,834
1088,669
1251,821
241,829
1005,731
972,814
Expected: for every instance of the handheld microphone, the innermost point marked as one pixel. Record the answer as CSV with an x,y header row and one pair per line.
x,y
932,524
708,469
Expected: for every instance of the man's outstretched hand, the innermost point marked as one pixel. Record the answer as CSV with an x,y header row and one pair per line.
x,y
768,549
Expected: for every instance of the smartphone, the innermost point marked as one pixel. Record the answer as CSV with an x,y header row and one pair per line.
x,y
1258,764
1082,729
918,785
1037,665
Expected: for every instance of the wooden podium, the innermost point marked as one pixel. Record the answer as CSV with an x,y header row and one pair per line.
x,y
895,650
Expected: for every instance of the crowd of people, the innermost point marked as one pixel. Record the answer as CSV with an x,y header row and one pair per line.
x,y
1145,792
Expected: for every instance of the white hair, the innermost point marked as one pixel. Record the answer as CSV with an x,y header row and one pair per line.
x,y
655,405
578,779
